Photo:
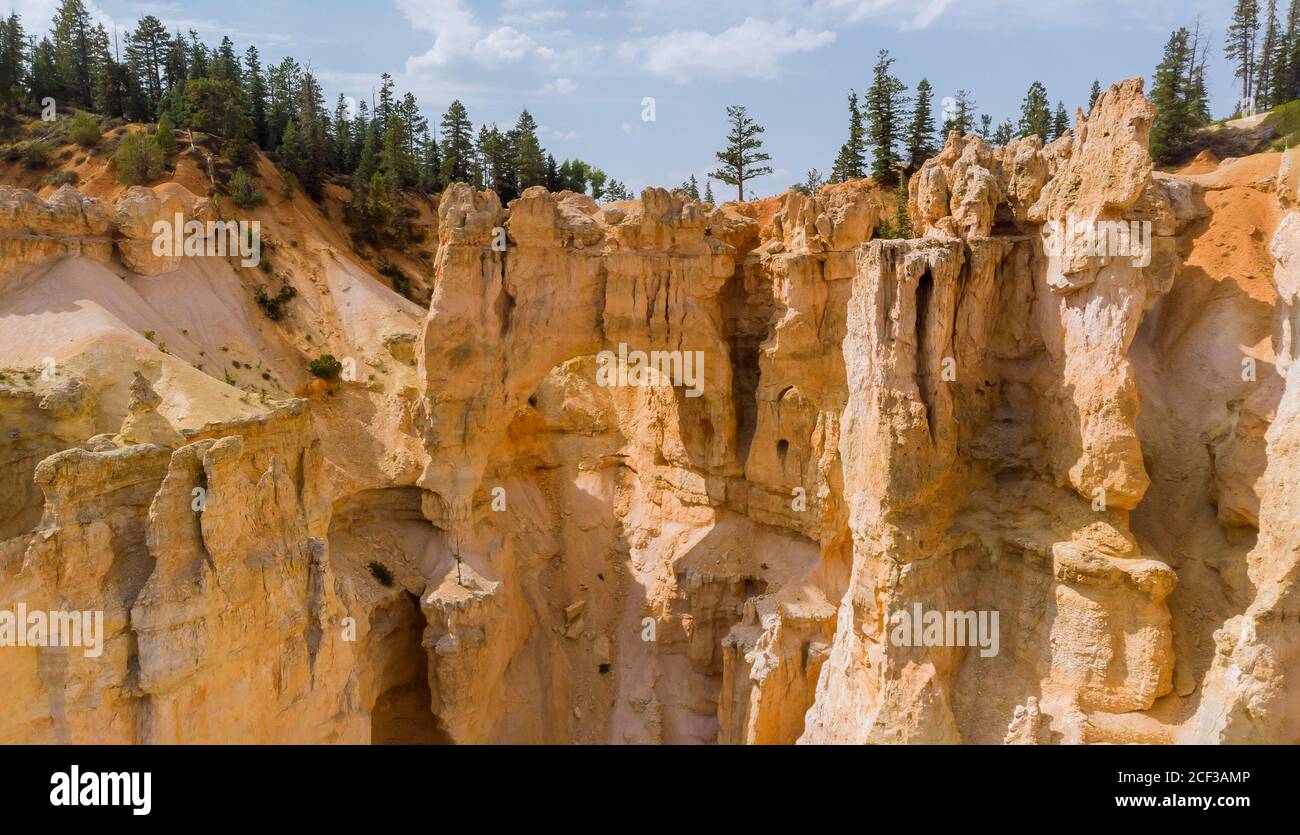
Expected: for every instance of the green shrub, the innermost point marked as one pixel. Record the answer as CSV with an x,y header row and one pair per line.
x,y
60,178
137,159
273,306
84,130
326,367
244,191
376,212
165,136
214,106
36,155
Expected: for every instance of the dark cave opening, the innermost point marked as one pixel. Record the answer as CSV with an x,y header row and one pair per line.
x,y
403,713
924,293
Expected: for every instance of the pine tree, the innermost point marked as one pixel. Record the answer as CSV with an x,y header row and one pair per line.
x,y
1172,124
1060,121
431,170
1266,63
886,110
290,149
457,144
376,209
1005,133
986,126
214,106
553,182
370,156
579,175
315,144
43,76
113,90
691,188
13,60
497,159
198,57
1094,95
341,130
851,163
398,136
812,181
598,180
480,173
384,109
282,84
176,67
415,127
529,158
393,155
920,136
165,136
146,53
357,137
1198,92
1284,73
1036,113
962,115
255,92
743,157
708,192
1240,48
224,64
74,54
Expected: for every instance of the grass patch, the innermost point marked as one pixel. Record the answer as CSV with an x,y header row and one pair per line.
x,y
1285,120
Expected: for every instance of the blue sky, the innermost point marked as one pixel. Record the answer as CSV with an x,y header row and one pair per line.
x,y
584,68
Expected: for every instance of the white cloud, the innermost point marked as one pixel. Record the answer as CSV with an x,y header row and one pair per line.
x,y
458,36
505,44
521,15
560,87
38,15
910,14
557,135
903,14
752,49
928,14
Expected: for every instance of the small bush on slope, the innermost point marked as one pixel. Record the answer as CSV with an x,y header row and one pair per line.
x,y
138,160
244,191
84,130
